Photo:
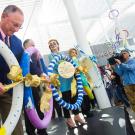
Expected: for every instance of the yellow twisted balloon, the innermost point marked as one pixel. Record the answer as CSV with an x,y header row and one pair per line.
x,y
16,76
45,99
85,67
54,80
2,131
15,73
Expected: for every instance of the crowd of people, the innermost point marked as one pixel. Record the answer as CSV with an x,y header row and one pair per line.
x,y
11,21
119,78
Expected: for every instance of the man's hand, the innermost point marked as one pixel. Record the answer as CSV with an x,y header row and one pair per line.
x,y
1,88
117,61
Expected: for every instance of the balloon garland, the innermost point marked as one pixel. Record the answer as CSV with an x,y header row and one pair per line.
x,y
113,15
119,34
29,102
56,96
17,101
91,61
16,76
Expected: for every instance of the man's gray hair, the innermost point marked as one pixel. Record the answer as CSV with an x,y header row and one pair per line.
x,y
11,9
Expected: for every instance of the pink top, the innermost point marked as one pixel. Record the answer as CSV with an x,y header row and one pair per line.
x,y
2,34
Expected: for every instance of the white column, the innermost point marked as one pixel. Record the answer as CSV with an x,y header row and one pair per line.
x,y
100,92
76,26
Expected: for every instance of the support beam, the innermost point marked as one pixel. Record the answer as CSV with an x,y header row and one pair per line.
x,y
100,92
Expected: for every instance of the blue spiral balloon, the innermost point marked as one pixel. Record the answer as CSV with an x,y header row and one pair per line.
x,y
29,101
56,96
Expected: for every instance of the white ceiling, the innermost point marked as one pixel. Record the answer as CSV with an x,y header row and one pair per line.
x,y
48,18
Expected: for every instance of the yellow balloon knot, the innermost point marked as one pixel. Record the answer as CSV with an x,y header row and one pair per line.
x,y
32,80
45,100
15,73
85,70
54,80
79,69
2,131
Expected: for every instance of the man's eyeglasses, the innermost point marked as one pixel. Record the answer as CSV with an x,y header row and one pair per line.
x,y
16,25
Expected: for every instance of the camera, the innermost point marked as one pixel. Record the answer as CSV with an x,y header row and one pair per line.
x,y
118,56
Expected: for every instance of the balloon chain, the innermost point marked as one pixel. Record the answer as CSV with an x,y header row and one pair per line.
x,y
16,76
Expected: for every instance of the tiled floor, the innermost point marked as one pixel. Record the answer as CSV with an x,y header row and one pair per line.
x,y
55,127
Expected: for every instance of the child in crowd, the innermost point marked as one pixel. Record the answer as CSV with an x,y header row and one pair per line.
x,y
88,95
